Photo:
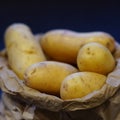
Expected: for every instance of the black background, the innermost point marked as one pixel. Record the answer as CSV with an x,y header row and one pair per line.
x,y
83,16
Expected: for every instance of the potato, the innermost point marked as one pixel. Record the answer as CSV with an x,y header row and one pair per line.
x,y
47,76
80,84
63,45
95,57
22,48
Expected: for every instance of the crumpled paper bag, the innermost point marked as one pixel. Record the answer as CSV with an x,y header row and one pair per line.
x,y
14,109
17,110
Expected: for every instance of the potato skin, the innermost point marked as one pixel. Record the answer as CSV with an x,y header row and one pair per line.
x,y
47,76
95,57
22,48
63,45
80,84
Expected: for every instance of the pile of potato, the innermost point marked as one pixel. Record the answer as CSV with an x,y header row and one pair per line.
x,y
63,63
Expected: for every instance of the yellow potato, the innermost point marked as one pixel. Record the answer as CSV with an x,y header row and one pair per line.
x,y
47,76
63,45
80,84
95,57
22,48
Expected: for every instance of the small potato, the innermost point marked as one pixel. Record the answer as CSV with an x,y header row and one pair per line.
x,y
63,45
80,84
22,48
95,57
47,76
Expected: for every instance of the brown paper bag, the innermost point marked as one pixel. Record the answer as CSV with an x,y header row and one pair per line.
x,y
17,110
25,111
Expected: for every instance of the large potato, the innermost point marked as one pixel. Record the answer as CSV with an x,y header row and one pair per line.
x,y
95,57
80,84
63,45
47,76
22,48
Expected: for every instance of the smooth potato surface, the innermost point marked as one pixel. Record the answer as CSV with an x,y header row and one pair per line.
x,y
47,76
22,48
63,45
95,57
80,84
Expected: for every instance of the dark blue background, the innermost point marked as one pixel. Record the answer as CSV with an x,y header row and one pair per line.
x,y
42,16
